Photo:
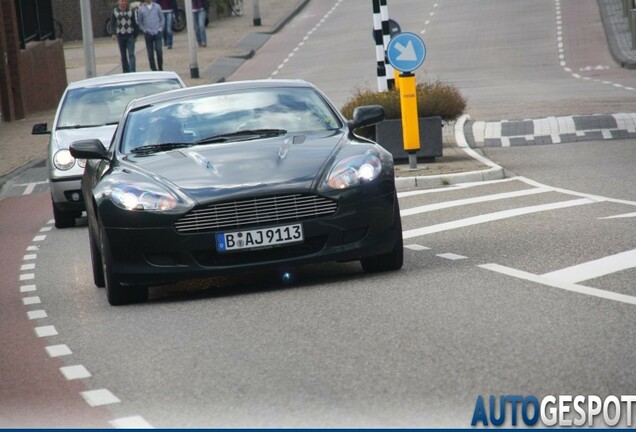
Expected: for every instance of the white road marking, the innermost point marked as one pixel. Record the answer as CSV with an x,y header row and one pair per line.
x,y
99,397
27,288
456,186
490,217
29,257
46,229
46,331
626,215
451,256
597,268
75,372
595,292
133,422
39,238
475,200
30,266
33,248
416,247
58,350
36,314
31,300
27,276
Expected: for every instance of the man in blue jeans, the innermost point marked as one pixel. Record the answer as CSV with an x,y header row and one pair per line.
x,y
199,10
169,9
151,22
124,25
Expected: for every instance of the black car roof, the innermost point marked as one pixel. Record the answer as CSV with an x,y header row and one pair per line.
x,y
217,88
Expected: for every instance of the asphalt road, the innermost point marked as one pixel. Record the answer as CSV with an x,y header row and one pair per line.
x,y
501,292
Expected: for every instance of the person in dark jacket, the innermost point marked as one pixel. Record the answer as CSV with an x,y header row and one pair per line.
x,y
169,9
124,24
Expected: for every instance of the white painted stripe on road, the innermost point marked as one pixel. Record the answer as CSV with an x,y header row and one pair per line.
x,y
626,215
596,198
29,257
133,422
597,268
46,229
75,372
416,247
456,186
31,300
451,256
595,292
27,288
475,200
58,350
29,266
37,314
46,331
33,248
27,276
99,397
39,238
490,217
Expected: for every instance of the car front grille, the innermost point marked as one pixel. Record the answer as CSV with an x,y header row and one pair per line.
x,y
256,212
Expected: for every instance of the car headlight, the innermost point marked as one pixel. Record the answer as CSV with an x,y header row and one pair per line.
x,y
140,198
354,170
63,160
81,163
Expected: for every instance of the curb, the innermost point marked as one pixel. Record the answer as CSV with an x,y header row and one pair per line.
x,y
495,172
617,54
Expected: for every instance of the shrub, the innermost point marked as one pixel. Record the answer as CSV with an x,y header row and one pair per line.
x,y
433,99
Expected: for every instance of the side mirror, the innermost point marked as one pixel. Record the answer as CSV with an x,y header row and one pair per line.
x,y
40,129
366,115
88,149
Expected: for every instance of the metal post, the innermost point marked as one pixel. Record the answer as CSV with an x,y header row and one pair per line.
x,y
386,38
410,121
626,8
632,26
87,36
379,46
194,66
256,14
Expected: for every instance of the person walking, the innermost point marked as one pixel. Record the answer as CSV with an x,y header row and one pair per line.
x,y
151,23
124,25
169,9
199,10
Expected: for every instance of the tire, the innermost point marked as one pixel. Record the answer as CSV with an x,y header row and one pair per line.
x,y
96,261
64,219
390,261
179,21
236,7
117,293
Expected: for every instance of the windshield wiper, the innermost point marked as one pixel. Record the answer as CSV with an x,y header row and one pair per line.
x,y
87,126
244,134
152,148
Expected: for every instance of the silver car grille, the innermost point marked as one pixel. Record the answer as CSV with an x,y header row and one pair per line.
x,y
256,212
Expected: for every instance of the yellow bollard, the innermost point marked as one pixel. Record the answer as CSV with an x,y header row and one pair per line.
x,y
396,74
410,122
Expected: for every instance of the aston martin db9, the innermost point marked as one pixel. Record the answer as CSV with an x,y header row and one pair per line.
x,y
236,176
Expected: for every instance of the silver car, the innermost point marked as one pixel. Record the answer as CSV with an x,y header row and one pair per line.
x,y
89,109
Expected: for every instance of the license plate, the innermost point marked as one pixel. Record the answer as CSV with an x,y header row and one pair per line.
x,y
259,238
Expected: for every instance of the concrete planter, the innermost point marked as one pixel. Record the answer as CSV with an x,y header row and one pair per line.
x,y
389,135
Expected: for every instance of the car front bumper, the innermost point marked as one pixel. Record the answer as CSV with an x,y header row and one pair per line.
x,y
150,256
66,193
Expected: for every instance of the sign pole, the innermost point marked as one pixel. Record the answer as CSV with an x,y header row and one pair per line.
x,y
410,122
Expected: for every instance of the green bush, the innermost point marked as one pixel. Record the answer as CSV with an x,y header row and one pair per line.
x,y
433,99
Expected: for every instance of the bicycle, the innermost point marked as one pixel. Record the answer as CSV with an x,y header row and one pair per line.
x,y
235,7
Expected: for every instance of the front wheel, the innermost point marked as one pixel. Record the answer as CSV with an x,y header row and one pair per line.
x,y
117,293
179,21
96,261
390,261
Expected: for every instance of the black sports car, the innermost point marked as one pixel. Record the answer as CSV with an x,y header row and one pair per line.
x,y
235,176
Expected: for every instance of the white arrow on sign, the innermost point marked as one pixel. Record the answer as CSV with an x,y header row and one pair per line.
x,y
407,53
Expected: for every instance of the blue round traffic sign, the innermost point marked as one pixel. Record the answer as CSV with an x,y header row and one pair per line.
x,y
406,52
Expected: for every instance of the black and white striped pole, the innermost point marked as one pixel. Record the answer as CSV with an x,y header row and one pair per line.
x,y
386,38
378,37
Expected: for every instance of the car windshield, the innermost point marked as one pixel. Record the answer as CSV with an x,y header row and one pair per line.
x,y
221,118
101,105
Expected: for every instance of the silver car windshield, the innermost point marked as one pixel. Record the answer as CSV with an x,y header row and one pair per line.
x,y
200,119
101,105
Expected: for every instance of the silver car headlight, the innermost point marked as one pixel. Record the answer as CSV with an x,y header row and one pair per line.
x,y
144,197
353,171
63,160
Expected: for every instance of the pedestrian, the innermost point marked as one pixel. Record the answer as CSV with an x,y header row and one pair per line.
x,y
124,25
199,10
151,23
169,9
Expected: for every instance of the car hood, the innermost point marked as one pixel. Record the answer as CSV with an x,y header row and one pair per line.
x,y
65,137
216,170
